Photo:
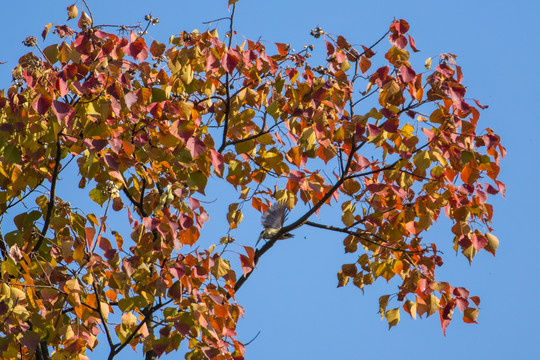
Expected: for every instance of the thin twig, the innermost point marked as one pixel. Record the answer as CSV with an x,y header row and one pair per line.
x,y
361,236
103,321
89,11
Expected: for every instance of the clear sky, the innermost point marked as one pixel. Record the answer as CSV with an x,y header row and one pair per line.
x,y
292,298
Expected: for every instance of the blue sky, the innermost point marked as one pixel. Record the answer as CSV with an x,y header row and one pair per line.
x,y
292,298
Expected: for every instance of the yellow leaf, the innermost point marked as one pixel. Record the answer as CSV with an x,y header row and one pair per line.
x,y
129,320
410,308
392,316
220,268
433,304
383,303
470,252
17,295
21,312
428,63
72,12
347,218
407,130
73,289
421,160
493,243
46,30
104,307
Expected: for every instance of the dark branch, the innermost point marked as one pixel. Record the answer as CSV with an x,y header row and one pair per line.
x,y
50,205
227,89
103,321
286,229
361,235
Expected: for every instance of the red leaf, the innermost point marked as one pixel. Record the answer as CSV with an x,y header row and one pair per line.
x,y
30,339
196,147
391,125
283,49
63,110
63,31
217,162
398,41
412,44
365,64
480,105
212,63
462,304
363,162
502,187
111,160
445,70
329,48
150,223
130,99
137,49
42,104
185,221
247,265
229,61
491,190
446,316
376,188
178,271
399,27
407,74
368,52
373,130
90,232
157,49
457,92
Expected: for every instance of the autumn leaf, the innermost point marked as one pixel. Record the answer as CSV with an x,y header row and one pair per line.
x,y
392,316
73,12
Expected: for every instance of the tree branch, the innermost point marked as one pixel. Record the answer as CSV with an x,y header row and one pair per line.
x,y
50,205
302,220
138,204
103,321
360,236
227,90
147,312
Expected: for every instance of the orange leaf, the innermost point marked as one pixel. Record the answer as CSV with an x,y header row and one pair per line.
x,y
470,315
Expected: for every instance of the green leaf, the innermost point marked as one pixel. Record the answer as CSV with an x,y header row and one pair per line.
x,y
158,95
99,195
197,180
126,304
273,110
12,154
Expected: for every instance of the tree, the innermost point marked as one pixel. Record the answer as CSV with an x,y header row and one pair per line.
x,y
151,126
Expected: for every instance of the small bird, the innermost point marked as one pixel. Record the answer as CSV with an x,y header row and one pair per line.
x,y
272,222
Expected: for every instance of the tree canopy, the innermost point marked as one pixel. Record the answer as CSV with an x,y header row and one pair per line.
x,y
148,127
